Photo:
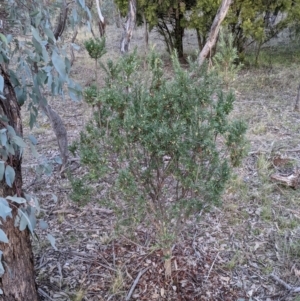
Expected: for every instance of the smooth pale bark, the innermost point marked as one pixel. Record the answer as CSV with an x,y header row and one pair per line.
x,y
99,11
129,26
214,31
101,22
18,281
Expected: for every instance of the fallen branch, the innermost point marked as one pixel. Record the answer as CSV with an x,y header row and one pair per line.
x,y
291,180
211,267
140,274
290,288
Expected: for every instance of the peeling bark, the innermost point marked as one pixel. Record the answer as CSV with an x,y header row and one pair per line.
x,y
214,31
128,26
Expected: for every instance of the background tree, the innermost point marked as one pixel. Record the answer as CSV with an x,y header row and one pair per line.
x,y
167,16
259,21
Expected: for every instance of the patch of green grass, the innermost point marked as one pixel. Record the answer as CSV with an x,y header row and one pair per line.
x,y
237,259
117,283
266,213
79,295
285,223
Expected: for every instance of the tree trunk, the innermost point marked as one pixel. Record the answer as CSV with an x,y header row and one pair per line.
x,y
18,281
178,33
61,23
101,22
129,26
214,31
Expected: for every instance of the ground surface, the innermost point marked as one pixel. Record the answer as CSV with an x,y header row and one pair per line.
x,y
225,254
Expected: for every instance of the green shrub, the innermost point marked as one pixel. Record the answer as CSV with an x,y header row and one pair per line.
x,y
165,146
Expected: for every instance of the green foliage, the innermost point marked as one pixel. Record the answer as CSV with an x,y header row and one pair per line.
x,y
164,146
40,63
259,21
226,58
95,47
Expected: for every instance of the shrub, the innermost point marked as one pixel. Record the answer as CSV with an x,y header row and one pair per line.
x,y
165,146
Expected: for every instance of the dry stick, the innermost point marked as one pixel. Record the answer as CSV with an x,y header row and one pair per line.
x,y
140,274
297,100
212,266
285,285
44,294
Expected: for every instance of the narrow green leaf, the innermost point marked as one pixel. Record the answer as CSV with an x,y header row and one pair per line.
x,y
59,65
75,46
1,83
36,35
32,219
16,199
2,168
3,137
21,95
3,236
23,220
9,175
34,151
32,139
11,131
45,54
19,141
52,241
43,225
58,160
49,34
10,149
82,3
5,210
34,13
9,38
3,38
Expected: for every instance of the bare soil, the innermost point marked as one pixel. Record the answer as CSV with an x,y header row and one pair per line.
x,y
227,253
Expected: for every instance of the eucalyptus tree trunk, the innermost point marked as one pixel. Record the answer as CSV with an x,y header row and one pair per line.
x,y
128,26
101,22
214,31
18,281
62,19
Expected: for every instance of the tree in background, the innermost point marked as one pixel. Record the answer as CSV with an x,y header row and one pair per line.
x,y
166,16
259,21
249,21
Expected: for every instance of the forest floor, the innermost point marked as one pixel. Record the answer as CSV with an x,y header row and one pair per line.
x,y
227,253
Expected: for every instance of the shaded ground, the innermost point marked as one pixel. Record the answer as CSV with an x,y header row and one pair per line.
x,y
225,254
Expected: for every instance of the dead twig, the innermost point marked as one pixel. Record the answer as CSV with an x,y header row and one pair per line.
x,y
296,108
44,294
211,266
140,274
285,285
